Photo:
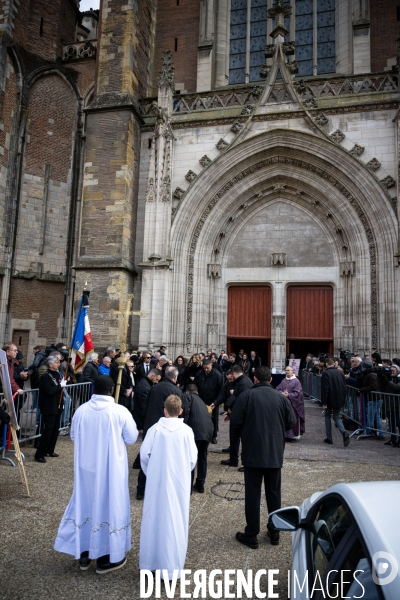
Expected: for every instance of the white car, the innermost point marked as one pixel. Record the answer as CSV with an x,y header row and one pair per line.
x,y
345,542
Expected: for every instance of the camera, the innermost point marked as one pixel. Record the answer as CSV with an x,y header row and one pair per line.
x,y
53,348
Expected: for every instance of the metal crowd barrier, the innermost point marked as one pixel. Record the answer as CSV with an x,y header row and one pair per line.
x,y
28,412
311,384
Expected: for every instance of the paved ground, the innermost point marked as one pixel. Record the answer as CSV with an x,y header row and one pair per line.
x,y
31,570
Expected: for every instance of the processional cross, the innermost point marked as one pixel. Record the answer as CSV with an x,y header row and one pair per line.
x,y
125,324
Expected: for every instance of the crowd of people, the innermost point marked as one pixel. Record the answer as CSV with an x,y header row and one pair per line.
x,y
177,404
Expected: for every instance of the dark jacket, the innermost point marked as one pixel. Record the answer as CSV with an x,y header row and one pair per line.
x,y
225,393
140,371
18,368
254,364
215,365
192,371
392,387
182,375
90,372
49,393
5,417
369,382
242,384
197,418
209,385
126,384
155,405
142,391
263,415
333,388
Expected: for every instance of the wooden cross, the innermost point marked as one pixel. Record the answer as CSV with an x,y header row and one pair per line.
x,y
125,324
126,314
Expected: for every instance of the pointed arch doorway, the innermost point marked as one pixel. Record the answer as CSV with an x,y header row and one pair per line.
x,y
249,320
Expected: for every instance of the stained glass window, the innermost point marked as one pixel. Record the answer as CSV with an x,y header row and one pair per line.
x,y
314,36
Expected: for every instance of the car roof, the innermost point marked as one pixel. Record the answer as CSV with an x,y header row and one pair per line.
x,y
376,508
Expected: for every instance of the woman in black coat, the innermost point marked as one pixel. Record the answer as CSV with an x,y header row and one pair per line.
x,y
180,364
193,367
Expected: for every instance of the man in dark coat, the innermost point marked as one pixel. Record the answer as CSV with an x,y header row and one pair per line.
x,y
209,382
91,369
143,367
198,418
155,410
50,385
255,362
333,397
263,414
142,392
242,383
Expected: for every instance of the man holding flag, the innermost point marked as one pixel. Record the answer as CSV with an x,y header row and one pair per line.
x,y
82,343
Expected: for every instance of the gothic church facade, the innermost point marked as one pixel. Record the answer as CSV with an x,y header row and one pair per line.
x,y
232,163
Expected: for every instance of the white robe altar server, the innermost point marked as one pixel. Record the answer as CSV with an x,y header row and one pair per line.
x,y
168,455
96,523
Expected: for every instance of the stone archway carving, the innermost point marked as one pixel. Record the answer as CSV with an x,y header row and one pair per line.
x,y
285,150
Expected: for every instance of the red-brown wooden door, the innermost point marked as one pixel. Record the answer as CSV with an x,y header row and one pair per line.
x,y
309,314
249,319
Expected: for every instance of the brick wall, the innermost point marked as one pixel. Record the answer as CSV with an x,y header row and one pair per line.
x,y
181,22
42,25
385,29
51,129
9,104
32,298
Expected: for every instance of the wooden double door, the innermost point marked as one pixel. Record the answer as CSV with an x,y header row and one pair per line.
x,y
309,320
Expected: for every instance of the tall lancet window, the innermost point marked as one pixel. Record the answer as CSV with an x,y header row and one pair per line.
x,y
311,25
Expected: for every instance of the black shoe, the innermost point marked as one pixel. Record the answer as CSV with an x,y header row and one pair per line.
x,y
346,439
214,440
290,440
396,444
273,537
198,488
53,455
241,469
246,541
227,450
389,443
139,495
84,561
111,567
228,463
328,441
40,459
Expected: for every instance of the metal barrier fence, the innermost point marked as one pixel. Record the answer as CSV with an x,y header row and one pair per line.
x,y
375,413
28,412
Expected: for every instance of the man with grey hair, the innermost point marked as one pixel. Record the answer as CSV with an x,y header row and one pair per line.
x,y
50,385
91,369
155,410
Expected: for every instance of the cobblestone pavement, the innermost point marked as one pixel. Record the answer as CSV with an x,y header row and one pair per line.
x,y
31,570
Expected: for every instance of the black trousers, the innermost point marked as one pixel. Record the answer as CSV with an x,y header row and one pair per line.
x,y
215,417
253,478
234,443
202,448
50,427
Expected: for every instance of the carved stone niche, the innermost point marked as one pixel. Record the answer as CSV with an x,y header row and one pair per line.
x,y
278,259
348,330
338,136
211,328
214,270
178,193
205,160
236,127
321,120
347,268
222,144
278,322
190,176
387,182
357,150
373,165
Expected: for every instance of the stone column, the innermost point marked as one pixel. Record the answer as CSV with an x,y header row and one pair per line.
x,y
109,199
278,326
156,264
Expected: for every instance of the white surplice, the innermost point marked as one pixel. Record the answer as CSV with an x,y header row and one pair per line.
x,y
97,518
168,455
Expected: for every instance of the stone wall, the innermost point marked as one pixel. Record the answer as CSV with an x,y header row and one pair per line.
x,y
385,29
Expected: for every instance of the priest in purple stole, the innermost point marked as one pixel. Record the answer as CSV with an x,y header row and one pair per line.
x,y
291,388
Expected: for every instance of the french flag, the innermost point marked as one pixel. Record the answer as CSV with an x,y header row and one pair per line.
x,y
82,343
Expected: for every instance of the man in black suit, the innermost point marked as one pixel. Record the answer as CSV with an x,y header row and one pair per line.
x,y
263,415
255,362
143,368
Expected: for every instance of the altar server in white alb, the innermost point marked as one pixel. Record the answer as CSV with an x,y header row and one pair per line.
x,y
168,455
96,523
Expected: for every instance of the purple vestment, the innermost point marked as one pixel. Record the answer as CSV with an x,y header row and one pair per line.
x,y
295,391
